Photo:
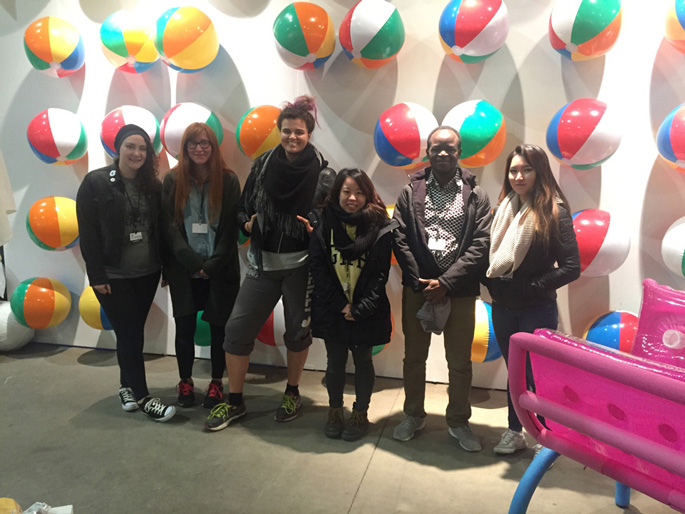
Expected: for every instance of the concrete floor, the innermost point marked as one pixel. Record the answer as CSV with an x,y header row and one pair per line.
x,y
64,439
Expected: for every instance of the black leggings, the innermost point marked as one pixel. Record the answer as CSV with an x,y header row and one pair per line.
x,y
127,308
364,374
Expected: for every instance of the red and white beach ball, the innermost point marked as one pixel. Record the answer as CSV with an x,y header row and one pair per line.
x,y
177,119
57,136
124,115
602,242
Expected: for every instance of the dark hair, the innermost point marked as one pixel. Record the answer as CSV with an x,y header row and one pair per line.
x,y
374,211
216,165
443,127
300,109
544,194
147,173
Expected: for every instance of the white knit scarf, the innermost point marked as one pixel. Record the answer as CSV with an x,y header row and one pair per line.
x,y
510,236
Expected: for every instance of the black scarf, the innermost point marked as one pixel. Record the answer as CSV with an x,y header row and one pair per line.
x,y
365,236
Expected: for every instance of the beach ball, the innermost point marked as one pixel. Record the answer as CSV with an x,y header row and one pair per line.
x,y
267,333
583,134
372,33
40,302
471,31
127,42
51,223
673,248
186,39
380,347
203,333
257,131
615,329
13,335
54,46
482,129
675,25
177,119
603,243
57,136
91,311
304,35
670,138
484,347
401,133
584,29
124,115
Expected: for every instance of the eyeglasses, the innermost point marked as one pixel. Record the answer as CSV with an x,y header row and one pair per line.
x,y
204,144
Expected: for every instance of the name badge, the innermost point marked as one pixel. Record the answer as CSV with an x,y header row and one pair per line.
x,y
437,245
135,237
200,228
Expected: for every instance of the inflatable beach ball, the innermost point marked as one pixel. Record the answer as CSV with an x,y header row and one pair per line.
x,y
40,302
615,329
257,131
583,134
127,42
203,333
401,133
267,334
51,223
57,136
177,119
584,29
372,33
484,347
673,248
13,335
54,46
482,129
91,311
603,244
471,31
675,25
670,138
124,115
304,35
186,39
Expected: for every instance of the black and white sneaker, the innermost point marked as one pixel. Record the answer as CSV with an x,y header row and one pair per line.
x,y
128,401
157,411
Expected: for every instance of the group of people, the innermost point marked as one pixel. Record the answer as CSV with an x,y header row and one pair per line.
x,y
321,242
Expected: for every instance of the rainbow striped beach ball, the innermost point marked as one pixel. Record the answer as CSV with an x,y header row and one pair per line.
x,y
57,136
473,30
603,243
91,311
484,347
584,29
54,46
40,302
304,35
670,138
124,115
127,42
177,119
615,329
401,133
583,134
186,39
673,248
482,129
257,131
371,33
51,223
675,25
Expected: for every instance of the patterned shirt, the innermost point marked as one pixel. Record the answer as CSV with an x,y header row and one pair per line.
x,y
444,219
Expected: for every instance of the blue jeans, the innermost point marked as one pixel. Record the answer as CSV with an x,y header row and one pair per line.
x,y
507,322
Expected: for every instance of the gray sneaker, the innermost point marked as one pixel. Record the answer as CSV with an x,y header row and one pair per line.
x,y
511,442
466,439
405,430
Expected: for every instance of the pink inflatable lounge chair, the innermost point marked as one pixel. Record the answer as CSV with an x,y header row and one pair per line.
x,y
619,414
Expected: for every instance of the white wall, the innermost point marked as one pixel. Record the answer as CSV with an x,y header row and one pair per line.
x,y
642,77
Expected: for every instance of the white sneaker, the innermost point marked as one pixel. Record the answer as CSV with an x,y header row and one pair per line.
x,y
511,442
128,401
467,440
405,430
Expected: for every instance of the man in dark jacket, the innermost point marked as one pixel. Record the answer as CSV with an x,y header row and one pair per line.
x,y
442,246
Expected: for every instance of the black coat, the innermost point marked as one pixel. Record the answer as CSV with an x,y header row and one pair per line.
x,y
370,306
223,266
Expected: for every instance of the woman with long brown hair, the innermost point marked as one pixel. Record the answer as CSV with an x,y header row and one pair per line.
x,y
199,198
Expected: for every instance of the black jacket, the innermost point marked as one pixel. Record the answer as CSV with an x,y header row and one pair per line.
x,y
223,266
370,306
536,280
100,210
411,242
